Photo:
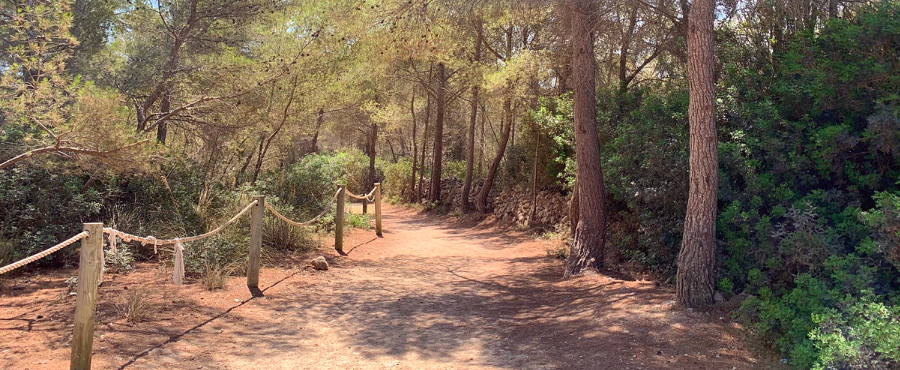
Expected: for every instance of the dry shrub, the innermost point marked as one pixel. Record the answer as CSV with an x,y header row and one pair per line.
x,y
214,276
135,307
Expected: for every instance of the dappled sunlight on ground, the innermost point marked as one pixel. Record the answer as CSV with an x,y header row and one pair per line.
x,y
432,294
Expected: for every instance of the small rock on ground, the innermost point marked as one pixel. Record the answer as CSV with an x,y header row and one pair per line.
x,y
319,263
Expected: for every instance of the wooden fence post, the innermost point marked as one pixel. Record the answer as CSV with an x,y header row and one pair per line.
x,y
256,230
339,221
365,204
378,208
86,302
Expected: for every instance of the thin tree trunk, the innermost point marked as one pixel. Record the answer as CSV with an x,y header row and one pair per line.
x,y
482,202
373,138
695,262
534,174
473,119
586,253
623,54
424,145
162,130
438,147
481,147
315,139
415,159
264,149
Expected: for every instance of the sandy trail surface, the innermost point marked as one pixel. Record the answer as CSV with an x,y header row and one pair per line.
x,y
433,293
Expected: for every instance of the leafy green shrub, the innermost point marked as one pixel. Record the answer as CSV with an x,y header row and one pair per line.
x,y
42,206
396,179
283,237
121,260
307,187
358,221
864,334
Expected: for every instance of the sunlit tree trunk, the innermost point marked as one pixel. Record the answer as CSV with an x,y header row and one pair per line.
x,y
695,262
481,203
438,147
586,253
473,119
415,158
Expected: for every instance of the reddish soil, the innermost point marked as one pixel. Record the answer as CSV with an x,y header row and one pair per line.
x,y
434,293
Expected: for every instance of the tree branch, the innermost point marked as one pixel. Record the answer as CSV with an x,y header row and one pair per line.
x,y
67,149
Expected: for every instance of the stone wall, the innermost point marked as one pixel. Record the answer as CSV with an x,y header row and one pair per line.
x,y
451,192
511,204
516,204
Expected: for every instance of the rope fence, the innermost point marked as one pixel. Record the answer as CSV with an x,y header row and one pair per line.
x,y
307,223
368,197
92,261
45,253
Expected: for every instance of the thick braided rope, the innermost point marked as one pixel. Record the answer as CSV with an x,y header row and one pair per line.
x,y
156,242
45,253
368,197
307,223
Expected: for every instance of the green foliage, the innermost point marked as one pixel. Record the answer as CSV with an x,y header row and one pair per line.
x,y
307,186
863,334
397,177
119,261
358,221
40,207
550,132
808,212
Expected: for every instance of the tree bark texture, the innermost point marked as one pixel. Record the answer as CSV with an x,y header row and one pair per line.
x,y
473,119
438,148
695,262
586,253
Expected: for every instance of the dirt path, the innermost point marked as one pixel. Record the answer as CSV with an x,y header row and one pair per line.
x,y
431,294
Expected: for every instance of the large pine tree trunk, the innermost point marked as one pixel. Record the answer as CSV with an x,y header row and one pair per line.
x,y
586,253
695,262
438,148
473,119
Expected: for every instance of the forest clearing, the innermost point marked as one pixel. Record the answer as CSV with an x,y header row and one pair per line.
x,y
496,184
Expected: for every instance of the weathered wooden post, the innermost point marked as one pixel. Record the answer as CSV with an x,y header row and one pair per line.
x,y
378,208
86,302
256,230
365,204
339,221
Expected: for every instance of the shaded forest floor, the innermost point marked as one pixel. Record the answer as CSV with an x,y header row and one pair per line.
x,y
434,293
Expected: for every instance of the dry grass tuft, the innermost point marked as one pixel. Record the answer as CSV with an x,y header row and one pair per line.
x,y
214,276
136,306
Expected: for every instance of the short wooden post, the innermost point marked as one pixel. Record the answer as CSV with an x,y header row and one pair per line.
x,y
339,221
86,302
365,204
256,230
378,208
